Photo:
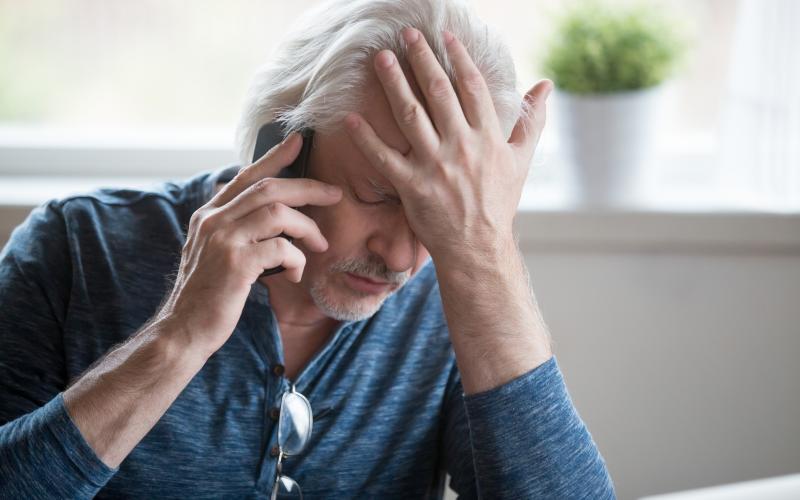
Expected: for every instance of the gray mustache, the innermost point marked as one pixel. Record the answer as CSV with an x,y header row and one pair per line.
x,y
372,268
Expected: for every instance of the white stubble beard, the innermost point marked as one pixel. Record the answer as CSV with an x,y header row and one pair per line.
x,y
323,291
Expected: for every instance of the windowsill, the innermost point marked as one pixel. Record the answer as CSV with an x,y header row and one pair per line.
x,y
548,221
39,164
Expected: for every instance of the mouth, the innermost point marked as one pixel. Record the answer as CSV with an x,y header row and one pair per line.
x,y
364,284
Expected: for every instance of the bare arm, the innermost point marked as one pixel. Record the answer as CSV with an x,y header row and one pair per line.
x,y
118,401
495,325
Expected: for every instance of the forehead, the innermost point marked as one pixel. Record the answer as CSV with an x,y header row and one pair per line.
x,y
335,156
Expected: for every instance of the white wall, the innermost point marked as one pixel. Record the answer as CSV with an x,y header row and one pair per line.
x,y
682,360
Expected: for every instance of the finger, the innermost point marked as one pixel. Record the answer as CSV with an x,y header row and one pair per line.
x,y
386,160
276,252
476,100
528,128
291,192
406,108
439,93
271,220
269,165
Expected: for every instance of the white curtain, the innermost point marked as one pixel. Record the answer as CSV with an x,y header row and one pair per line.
x,y
760,141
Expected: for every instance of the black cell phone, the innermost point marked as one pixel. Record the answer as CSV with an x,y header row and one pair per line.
x,y
269,135
272,134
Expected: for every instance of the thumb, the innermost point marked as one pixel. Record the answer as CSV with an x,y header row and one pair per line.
x,y
530,125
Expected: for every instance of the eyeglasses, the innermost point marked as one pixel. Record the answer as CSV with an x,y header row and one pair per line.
x,y
294,429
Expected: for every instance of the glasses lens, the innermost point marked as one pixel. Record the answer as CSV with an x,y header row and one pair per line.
x,y
294,426
286,487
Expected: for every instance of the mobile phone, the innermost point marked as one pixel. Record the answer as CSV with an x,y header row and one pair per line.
x,y
269,135
272,134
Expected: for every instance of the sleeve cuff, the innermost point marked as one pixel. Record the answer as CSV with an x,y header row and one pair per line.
x,y
73,444
528,440
541,379
45,456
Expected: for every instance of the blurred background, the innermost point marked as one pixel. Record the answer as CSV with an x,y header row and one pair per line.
x,y
661,220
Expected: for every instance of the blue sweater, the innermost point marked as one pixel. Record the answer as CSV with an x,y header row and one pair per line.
x,y
84,273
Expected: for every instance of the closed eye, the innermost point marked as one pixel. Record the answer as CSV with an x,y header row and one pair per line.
x,y
365,202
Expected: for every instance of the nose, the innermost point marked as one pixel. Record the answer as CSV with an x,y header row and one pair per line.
x,y
395,242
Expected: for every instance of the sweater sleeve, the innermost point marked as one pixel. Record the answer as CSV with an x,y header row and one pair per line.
x,y
44,455
523,439
42,452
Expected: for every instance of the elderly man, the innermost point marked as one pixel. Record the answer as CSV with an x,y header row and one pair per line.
x,y
145,353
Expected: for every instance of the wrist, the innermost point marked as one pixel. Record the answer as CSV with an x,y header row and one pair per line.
x,y
118,401
491,255
176,343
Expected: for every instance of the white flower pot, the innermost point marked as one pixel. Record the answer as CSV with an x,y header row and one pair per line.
x,y
606,139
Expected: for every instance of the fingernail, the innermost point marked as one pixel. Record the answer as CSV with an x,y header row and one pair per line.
x,y
331,189
410,35
549,90
288,137
385,59
351,121
448,37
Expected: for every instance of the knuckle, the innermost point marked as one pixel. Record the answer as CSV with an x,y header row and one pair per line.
x,y
383,158
439,87
279,210
271,210
410,114
473,83
282,245
265,187
243,174
206,224
195,219
441,165
464,148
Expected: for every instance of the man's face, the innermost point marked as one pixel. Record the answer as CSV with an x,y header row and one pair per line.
x,y
367,231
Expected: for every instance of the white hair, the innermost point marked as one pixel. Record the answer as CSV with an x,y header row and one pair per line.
x,y
316,75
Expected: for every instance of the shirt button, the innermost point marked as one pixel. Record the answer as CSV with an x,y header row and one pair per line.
x,y
274,413
274,451
278,370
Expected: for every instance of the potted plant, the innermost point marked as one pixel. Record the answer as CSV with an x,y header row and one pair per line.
x,y
608,66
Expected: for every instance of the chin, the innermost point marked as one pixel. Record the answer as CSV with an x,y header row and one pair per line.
x,y
341,303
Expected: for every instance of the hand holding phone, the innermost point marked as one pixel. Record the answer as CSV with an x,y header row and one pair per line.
x,y
270,135
232,239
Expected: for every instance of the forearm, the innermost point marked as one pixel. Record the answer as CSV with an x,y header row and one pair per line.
x,y
495,325
527,438
118,401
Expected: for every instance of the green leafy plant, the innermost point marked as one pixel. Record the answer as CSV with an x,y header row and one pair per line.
x,y
599,49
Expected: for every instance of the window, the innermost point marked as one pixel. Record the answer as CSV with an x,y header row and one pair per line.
x,y
154,88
